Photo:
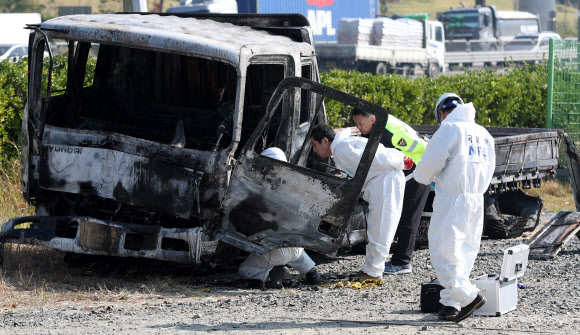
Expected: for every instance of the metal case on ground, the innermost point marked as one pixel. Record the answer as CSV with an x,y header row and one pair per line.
x,y
501,290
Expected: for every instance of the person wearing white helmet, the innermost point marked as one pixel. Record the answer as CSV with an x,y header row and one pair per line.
x,y
270,268
460,158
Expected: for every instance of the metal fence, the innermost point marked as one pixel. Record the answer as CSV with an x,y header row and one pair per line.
x,y
563,105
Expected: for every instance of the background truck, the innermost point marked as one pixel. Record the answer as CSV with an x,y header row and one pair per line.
x,y
483,28
13,36
426,57
205,7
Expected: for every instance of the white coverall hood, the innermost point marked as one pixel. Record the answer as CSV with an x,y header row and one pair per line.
x,y
383,189
461,157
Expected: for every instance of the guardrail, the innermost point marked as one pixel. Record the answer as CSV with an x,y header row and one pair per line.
x,y
481,58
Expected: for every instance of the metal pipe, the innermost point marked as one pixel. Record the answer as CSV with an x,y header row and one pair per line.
x,y
550,85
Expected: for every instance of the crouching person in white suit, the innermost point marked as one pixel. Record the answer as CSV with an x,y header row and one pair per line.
x,y
383,189
270,268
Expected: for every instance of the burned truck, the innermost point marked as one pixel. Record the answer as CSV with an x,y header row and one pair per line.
x,y
157,154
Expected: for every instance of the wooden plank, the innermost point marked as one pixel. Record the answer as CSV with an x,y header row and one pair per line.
x,y
549,240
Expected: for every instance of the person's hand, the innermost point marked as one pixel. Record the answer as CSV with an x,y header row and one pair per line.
x,y
408,163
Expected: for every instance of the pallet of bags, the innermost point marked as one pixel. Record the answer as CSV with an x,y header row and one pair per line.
x,y
406,33
354,31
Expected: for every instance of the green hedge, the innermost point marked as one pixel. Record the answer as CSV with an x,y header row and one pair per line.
x,y
516,98
13,86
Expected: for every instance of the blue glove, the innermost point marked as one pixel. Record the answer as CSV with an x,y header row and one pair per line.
x,y
432,185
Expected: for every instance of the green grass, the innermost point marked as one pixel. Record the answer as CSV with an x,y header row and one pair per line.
x,y
556,194
11,202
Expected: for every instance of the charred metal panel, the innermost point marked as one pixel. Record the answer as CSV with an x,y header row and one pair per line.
x,y
547,242
120,176
285,209
190,158
98,237
522,154
275,204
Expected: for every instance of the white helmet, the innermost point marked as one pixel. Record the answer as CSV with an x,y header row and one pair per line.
x,y
275,153
440,104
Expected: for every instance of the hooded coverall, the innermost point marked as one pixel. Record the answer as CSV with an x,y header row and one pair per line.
x,y
259,266
461,156
383,189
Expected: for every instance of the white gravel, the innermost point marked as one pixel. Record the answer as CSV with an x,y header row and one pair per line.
x,y
548,306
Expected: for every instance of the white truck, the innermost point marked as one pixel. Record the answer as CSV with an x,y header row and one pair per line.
x,y
14,38
426,58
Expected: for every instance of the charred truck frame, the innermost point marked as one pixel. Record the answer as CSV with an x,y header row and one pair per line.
x,y
157,155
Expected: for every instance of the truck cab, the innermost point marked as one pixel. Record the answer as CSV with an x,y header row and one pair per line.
x,y
156,152
483,28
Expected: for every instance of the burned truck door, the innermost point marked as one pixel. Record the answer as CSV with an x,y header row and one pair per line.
x,y
271,204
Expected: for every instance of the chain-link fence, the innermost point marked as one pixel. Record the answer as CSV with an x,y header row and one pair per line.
x,y
563,107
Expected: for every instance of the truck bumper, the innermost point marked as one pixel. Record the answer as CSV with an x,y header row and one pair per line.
x,y
86,235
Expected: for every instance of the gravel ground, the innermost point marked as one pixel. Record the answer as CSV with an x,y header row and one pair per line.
x,y
548,306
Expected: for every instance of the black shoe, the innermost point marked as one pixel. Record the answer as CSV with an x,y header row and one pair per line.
x,y
313,278
277,275
447,313
469,309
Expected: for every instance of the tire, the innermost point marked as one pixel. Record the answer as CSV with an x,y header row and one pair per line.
x,y
381,68
510,227
433,71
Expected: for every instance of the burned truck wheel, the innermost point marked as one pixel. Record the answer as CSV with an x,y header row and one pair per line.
x,y
509,227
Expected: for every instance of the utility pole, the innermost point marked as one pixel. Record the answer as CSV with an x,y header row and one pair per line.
x,y
135,5
578,17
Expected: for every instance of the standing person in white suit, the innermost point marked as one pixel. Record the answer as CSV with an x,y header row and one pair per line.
x,y
383,189
460,159
270,268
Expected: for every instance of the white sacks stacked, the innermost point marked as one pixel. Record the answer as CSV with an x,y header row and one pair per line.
x,y
355,31
405,33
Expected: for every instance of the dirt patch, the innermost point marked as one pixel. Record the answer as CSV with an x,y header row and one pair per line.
x,y
128,297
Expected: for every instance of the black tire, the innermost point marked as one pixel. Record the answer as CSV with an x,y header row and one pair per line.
x,y
433,71
381,68
510,227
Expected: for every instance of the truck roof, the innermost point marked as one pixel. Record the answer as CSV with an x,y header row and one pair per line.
x,y
512,14
184,35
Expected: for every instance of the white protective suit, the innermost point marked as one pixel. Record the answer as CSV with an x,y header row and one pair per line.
x,y
259,266
461,157
383,189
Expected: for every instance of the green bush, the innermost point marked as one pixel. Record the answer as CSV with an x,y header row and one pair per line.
x,y
516,98
13,87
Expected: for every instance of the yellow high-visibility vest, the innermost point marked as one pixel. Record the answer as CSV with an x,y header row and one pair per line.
x,y
406,139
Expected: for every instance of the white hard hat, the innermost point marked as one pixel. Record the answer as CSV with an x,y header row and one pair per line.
x,y
440,104
275,153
